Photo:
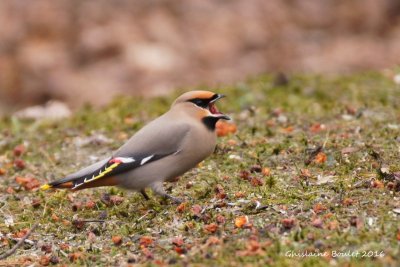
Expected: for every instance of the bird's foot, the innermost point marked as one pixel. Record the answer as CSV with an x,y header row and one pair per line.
x,y
144,194
159,190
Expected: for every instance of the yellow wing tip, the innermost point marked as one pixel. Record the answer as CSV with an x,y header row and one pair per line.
x,y
45,187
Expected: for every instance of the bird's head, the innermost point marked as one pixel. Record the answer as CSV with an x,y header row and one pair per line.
x,y
202,105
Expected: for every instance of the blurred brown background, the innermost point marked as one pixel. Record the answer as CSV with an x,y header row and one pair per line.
x,y
88,51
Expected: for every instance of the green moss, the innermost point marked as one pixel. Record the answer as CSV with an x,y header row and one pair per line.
x,y
356,111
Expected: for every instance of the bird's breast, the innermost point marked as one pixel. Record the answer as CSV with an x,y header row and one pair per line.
x,y
199,145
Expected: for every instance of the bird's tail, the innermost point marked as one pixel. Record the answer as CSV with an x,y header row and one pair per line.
x,y
100,176
78,183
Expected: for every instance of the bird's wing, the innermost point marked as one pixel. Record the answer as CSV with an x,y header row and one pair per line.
x,y
151,143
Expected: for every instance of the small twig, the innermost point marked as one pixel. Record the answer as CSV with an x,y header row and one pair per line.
x,y
19,243
93,221
326,139
44,209
147,213
28,241
63,253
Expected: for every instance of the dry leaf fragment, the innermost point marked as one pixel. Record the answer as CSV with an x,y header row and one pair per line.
x,y
333,225
19,164
305,173
116,200
21,233
239,194
21,180
390,186
224,128
232,142
78,223
147,253
70,197
213,240
288,129
64,246
90,204
320,158
44,260
266,171
189,185
55,217
270,123
145,241
181,207
54,259
117,240
317,127
74,256
347,201
19,150
211,228
319,208
28,183
241,221
177,241
220,219
253,247
377,184
255,181
180,250
317,223
288,222
245,175
10,190
255,168
196,210
219,190
47,248
36,202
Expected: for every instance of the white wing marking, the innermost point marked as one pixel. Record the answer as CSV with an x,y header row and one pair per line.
x,y
146,159
125,160
75,186
88,180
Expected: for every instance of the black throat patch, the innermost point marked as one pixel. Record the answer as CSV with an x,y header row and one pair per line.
x,y
210,122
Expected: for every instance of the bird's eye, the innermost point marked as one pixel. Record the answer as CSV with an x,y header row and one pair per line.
x,y
199,102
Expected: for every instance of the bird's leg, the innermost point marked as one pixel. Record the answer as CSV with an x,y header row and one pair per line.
x,y
158,188
144,194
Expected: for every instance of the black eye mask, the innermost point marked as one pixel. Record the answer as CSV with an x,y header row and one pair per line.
x,y
203,103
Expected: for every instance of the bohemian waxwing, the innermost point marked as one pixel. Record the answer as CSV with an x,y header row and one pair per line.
x,y
162,150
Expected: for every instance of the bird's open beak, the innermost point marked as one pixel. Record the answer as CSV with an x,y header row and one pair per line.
x,y
214,110
217,97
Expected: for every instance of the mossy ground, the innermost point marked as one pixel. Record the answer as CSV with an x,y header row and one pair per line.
x,y
307,203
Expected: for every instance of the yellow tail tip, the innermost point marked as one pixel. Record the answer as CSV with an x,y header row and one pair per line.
x,y
45,187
